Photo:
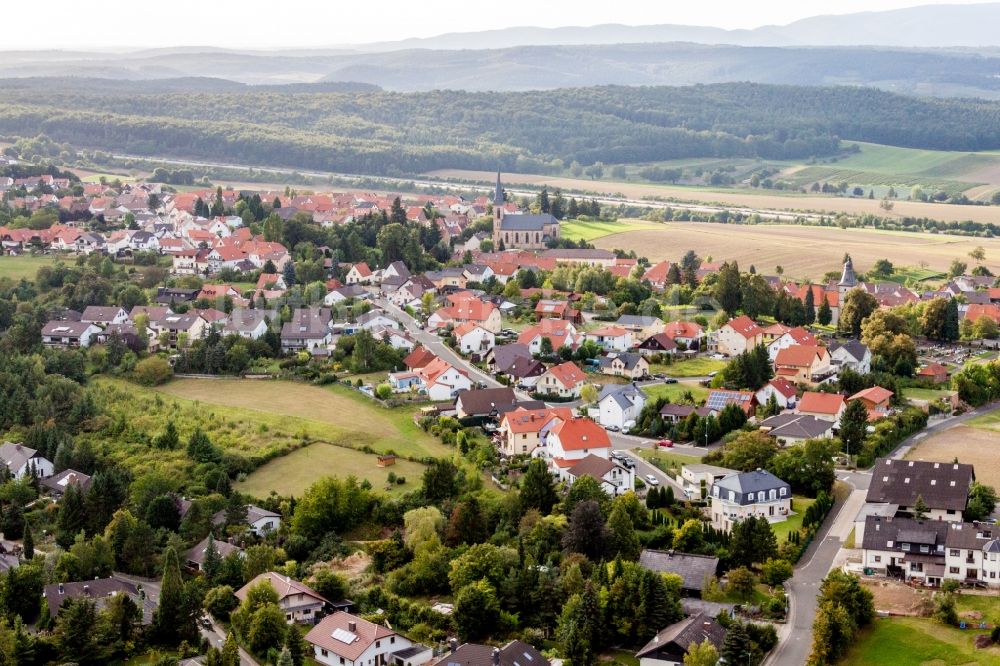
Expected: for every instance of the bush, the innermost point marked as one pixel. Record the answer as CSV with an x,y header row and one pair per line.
x,y
775,572
152,371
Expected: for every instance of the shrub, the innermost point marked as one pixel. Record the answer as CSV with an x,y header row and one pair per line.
x,y
152,371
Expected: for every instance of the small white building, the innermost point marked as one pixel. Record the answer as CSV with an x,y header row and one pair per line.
x,y
620,404
22,461
299,602
342,639
471,338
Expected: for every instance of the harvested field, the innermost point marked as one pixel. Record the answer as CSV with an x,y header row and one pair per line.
x,y
801,250
741,198
976,446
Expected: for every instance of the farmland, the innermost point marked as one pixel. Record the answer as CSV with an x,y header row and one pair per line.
x,y
25,266
588,230
803,251
977,443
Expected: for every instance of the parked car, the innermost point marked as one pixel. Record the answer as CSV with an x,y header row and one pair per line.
x,y
665,443
669,380
652,480
613,428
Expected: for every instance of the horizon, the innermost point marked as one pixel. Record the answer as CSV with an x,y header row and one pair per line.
x,y
405,22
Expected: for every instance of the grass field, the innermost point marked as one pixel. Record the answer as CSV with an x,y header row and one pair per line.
x,y
675,392
926,394
695,367
588,230
330,412
909,641
25,266
794,522
667,461
803,251
977,442
291,474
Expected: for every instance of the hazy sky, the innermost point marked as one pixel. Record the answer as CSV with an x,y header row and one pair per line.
x,y
297,23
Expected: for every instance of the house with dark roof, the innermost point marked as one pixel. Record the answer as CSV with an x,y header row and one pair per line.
x,y
520,231
931,551
196,556
659,343
791,428
613,477
260,521
514,653
309,329
58,483
69,334
624,364
100,591
342,639
516,362
743,495
673,413
620,405
852,354
21,461
668,647
483,402
694,570
944,487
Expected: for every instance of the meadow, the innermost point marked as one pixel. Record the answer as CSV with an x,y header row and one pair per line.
x,y
588,230
676,392
26,265
911,641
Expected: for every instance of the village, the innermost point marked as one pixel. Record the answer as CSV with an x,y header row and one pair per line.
x,y
577,361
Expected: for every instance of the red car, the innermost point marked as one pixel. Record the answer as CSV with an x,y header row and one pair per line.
x,y
665,443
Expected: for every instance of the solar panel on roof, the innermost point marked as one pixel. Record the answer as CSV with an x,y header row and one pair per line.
x,y
344,636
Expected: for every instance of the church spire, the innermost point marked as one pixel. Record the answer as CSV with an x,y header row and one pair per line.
x,y
498,194
848,278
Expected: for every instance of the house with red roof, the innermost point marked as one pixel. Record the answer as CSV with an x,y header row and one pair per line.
x,y
570,441
784,393
342,639
560,333
826,406
472,338
418,358
687,333
738,335
522,430
876,400
934,372
719,399
465,307
549,309
360,273
564,380
657,274
803,364
787,338
443,381
976,310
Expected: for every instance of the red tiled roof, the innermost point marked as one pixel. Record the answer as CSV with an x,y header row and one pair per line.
x,y
820,403
875,395
568,374
799,356
365,633
682,329
523,420
745,326
576,434
418,358
783,386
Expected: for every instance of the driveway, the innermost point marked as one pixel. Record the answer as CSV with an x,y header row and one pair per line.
x,y
642,468
216,637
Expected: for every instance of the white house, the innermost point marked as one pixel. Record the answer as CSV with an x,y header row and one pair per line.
x,y
442,381
471,338
572,440
564,380
21,461
749,494
612,338
103,316
614,477
739,335
299,602
359,274
851,354
620,405
784,393
68,334
791,337
261,521
342,639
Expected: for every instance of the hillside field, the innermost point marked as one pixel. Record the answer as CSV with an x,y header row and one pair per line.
x,y
25,266
803,251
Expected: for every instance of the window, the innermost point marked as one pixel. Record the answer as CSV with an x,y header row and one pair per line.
x,y
954,552
953,570
342,660
878,558
783,491
378,643
323,652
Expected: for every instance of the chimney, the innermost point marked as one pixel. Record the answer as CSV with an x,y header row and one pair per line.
x,y
86,590
496,656
352,626
453,644
62,590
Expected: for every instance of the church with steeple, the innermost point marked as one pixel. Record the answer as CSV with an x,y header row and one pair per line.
x,y
520,231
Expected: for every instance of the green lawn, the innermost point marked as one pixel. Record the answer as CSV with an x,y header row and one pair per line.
x,y
667,461
909,641
292,474
907,273
695,367
989,420
26,266
675,392
988,605
917,393
794,522
589,230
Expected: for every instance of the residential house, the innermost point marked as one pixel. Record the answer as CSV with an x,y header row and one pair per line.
x,y
718,399
68,334
395,338
308,330
657,275
641,326
342,639
259,521
171,295
514,653
784,393
739,335
624,364
827,406
57,484
612,476
930,552
687,333
196,556
523,430
657,344
346,293
853,355
743,495
675,413
789,338
247,323
103,316
418,358
570,441
466,307
620,405
560,334
944,487
443,381
697,479
791,428
472,338
99,591
564,381
590,257
297,601
376,318
359,273
694,570
612,338
22,461
549,309
483,402
876,400
669,646
803,364
174,328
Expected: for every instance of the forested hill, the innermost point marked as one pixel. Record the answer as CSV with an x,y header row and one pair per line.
x,y
391,133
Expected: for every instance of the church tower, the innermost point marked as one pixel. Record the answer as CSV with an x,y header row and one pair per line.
x,y
498,203
848,280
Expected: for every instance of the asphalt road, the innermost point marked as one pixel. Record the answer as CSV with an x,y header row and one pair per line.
x,y
216,637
